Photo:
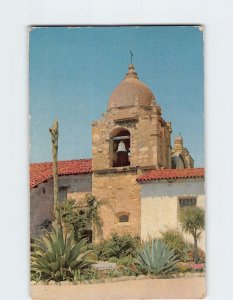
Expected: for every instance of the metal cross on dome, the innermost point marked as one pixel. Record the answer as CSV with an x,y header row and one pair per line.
x,y
131,58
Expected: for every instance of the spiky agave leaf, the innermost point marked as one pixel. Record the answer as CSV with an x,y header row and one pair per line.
x,y
156,258
79,247
80,261
57,253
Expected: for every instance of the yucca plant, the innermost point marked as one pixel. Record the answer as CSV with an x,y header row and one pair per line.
x,y
155,257
192,220
55,255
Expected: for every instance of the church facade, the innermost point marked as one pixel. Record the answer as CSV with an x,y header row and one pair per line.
x,y
130,141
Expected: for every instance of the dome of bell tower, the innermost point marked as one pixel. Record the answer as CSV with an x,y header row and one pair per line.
x,y
130,92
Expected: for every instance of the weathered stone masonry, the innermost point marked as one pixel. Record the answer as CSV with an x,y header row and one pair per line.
x,y
133,114
41,198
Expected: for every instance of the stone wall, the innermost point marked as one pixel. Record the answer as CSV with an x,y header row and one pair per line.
x,y
118,194
41,198
76,183
41,207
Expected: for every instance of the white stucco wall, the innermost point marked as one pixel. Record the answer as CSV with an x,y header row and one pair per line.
x,y
160,205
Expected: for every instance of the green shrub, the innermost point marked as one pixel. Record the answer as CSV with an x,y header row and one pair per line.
x,y
113,259
79,218
117,246
56,255
174,239
92,255
156,257
183,267
184,250
87,274
190,254
126,261
127,266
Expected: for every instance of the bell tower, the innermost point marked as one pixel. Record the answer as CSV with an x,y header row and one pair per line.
x,y
129,139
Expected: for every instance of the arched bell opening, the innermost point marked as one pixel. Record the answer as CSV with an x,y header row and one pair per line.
x,y
120,148
178,162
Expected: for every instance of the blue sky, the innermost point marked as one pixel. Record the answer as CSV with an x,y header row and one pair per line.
x,y
73,72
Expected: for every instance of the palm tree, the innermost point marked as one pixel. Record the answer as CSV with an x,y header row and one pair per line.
x,y
192,221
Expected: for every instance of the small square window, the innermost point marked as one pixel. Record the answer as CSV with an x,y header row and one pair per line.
x,y
187,201
123,218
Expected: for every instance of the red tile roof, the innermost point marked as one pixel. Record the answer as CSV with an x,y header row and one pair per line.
x,y
171,174
39,172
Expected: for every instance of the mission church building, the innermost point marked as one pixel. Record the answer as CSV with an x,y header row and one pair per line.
x,y
140,180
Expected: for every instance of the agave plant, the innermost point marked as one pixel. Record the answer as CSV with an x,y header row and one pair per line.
x,y
155,257
55,255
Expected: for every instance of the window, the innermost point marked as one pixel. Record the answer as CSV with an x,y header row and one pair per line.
x,y
187,201
62,193
123,218
44,191
88,235
178,162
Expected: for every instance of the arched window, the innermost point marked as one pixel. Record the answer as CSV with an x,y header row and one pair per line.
x,y
120,148
178,162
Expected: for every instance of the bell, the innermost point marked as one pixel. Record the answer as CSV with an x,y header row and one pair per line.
x,y
121,147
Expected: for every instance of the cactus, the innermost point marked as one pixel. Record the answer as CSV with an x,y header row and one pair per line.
x,y
56,255
54,136
156,258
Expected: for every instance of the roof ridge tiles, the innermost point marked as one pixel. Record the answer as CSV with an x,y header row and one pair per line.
x,y
50,162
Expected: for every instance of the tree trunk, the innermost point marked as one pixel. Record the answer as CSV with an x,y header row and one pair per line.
x,y
195,251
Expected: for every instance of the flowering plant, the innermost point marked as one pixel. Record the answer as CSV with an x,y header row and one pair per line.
x,y
201,255
198,267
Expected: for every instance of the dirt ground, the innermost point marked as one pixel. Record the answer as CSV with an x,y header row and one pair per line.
x,y
179,288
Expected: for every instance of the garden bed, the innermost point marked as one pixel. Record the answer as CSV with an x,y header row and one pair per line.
x,y
122,278
119,258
